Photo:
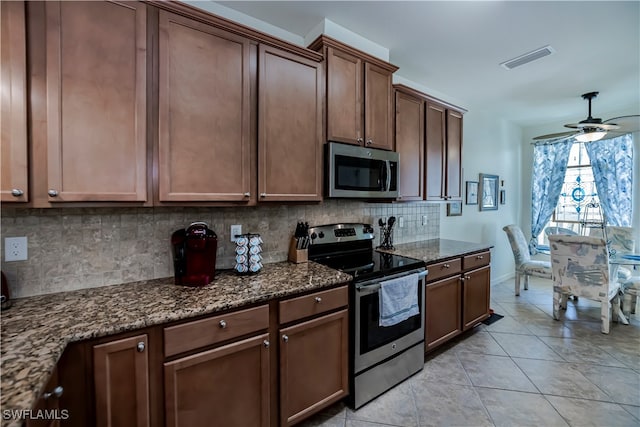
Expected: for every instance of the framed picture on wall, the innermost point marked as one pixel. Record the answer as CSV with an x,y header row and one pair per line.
x,y
472,192
454,209
488,192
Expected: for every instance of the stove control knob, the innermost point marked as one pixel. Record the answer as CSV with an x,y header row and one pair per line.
x,y
313,235
321,235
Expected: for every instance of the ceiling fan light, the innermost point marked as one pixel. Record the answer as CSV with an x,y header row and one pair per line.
x,y
590,136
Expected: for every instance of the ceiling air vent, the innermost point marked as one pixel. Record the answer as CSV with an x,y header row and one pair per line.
x,y
528,57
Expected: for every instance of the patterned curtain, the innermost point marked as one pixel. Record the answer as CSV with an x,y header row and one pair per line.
x,y
549,168
612,164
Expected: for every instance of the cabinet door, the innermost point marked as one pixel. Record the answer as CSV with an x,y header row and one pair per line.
x,y
313,366
410,145
48,403
204,141
443,317
96,101
378,107
475,300
13,109
344,97
454,155
226,386
435,144
121,376
289,127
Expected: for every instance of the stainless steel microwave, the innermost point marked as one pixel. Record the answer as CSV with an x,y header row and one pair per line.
x,y
359,172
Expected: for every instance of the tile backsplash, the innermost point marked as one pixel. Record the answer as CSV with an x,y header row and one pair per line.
x,y
77,248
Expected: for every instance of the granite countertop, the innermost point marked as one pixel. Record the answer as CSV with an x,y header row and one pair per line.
x,y
437,249
36,330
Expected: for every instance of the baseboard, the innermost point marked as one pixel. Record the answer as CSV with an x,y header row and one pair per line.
x,y
502,278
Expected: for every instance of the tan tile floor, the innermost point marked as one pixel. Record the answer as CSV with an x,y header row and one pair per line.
x,y
523,370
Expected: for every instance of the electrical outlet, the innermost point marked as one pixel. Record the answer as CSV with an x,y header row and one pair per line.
x,y
15,249
425,221
236,230
401,222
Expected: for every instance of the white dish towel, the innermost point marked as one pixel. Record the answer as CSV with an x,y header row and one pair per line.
x,y
398,299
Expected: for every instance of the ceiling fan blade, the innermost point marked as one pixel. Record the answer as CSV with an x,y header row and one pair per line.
x,y
560,135
626,124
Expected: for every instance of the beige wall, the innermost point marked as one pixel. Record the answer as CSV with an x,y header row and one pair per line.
x,y
84,248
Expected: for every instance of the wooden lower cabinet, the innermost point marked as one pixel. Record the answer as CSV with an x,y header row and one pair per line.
x,y
313,366
227,386
49,404
475,296
443,317
457,296
121,378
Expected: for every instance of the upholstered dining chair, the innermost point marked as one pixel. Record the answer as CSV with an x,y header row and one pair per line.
x,y
622,240
580,267
525,266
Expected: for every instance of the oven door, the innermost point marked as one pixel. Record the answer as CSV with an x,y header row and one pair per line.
x,y
375,343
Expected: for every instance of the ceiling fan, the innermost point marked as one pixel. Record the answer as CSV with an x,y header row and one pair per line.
x,y
593,129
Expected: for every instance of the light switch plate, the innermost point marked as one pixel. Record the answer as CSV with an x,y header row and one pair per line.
x,y
236,230
15,249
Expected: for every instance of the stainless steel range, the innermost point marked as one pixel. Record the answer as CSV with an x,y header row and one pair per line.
x,y
380,356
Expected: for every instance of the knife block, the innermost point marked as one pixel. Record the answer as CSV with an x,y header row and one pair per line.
x,y
297,256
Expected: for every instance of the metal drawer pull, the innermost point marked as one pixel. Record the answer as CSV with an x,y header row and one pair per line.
x,y
467,277
285,338
318,300
16,192
266,343
56,392
223,324
480,257
140,347
446,266
247,194
52,193
263,194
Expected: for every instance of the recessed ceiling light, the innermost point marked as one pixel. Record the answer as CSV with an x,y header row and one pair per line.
x,y
528,57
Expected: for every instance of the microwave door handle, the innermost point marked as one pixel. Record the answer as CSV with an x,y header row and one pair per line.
x,y
388,180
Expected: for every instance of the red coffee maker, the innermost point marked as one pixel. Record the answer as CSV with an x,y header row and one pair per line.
x,y
194,254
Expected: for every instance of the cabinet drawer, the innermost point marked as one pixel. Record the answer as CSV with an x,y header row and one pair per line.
x,y
444,269
476,260
316,303
200,333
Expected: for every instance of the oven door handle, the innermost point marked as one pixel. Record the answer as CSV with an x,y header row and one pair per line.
x,y
370,288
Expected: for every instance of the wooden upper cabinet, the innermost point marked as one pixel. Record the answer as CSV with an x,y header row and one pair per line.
x,y
96,68
289,127
443,152
409,130
454,155
378,107
344,97
13,109
359,95
435,151
121,377
204,141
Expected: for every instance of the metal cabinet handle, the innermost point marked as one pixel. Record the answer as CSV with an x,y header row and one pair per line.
x,y
223,324
140,347
263,194
318,300
467,277
285,338
16,192
462,279
480,257
369,141
359,139
265,343
247,194
446,266
52,193
56,392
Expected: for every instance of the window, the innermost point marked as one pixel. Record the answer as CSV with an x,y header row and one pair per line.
x,y
578,205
